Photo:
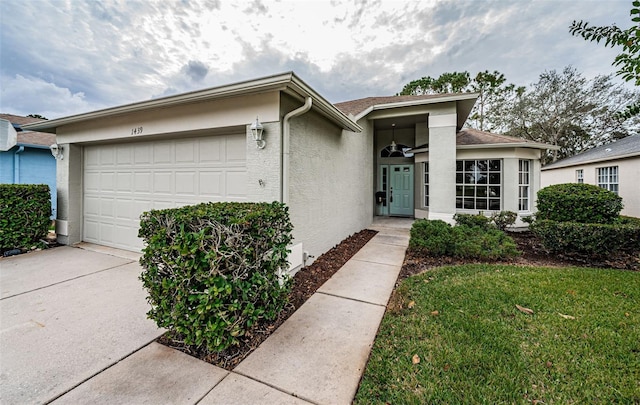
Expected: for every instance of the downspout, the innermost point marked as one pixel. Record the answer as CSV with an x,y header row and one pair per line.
x,y
16,165
286,138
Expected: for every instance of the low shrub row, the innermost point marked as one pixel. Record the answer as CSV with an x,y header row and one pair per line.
x,y
212,271
25,212
597,240
583,203
501,220
438,238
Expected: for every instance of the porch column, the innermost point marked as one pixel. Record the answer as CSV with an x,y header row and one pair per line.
x,y
442,167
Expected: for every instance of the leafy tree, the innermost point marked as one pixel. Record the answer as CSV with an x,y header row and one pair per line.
x,y
490,86
628,61
37,116
569,111
456,82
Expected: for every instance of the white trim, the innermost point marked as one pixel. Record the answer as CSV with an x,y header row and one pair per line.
x,y
413,103
288,82
611,159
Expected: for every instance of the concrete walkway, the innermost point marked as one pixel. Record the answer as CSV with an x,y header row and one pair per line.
x,y
317,356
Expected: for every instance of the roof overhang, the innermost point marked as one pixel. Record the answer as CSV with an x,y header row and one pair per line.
x,y
286,82
464,104
506,145
590,161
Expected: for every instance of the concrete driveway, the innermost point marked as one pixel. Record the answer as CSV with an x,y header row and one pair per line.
x,y
66,314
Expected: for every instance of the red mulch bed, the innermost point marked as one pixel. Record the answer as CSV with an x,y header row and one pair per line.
x,y
305,283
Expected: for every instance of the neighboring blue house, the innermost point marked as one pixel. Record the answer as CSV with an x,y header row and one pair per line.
x,y
25,157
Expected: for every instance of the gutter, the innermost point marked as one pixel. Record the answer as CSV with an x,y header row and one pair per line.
x,y
16,165
286,141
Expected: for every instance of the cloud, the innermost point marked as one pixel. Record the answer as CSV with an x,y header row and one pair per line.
x,y
91,55
24,95
196,70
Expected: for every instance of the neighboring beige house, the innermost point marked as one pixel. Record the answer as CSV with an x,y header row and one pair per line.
x,y
336,166
615,166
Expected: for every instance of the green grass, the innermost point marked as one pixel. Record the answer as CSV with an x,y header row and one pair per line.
x,y
479,348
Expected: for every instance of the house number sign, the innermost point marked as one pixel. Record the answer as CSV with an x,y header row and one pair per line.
x,y
136,131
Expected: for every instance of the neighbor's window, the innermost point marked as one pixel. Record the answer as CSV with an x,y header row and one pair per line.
x,y
608,178
479,184
579,176
524,184
426,183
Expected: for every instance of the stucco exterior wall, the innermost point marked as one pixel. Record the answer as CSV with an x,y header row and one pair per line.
x,y
628,177
263,165
331,182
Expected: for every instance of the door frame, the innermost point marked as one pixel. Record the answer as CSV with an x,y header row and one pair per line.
x,y
384,184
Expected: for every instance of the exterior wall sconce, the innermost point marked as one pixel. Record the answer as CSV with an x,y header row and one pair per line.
x,y
56,151
257,130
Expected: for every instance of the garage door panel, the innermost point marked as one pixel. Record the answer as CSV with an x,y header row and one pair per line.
x,y
107,156
163,183
236,184
123,181
107,181
186,152
142,154
236,150
186,183
142,182
211,183
162,152
210,150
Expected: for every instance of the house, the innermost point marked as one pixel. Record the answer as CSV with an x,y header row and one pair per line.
x,y
614,166
336,166
25,157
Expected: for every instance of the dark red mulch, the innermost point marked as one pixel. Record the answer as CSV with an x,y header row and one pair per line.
x,y
533,254
305,283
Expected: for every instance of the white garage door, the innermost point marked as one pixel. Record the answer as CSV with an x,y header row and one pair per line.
x,y
122,181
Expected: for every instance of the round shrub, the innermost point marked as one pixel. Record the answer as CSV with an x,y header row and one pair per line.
x,y
431,237
582,203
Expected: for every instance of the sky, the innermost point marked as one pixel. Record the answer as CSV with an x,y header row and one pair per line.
x,y
65,57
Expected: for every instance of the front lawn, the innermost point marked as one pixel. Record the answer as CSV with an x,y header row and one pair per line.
x,y
455,335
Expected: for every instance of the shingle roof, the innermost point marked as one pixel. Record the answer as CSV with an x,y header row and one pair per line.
x,y
473,137
357,106
469,136
625,147
30,137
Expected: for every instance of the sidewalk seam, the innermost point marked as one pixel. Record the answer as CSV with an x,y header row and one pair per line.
x,y
275,388
351,299
64,281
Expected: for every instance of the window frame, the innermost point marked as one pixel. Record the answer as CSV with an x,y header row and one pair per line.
x,y
580,176
524,187
485,189
425,184
608,177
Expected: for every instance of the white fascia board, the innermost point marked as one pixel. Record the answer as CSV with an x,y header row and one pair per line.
x,y
270,83
591,161
322,105
400,104
279,82
497,145
531,145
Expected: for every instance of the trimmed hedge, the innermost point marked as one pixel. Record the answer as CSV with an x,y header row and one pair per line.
x,y
214,270
598,240
437,238
584,203
25,215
